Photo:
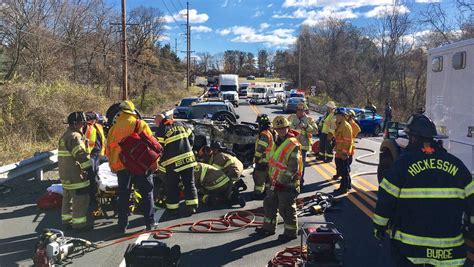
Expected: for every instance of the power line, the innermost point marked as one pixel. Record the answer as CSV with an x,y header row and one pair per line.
x,y
181,5
172,16
177,10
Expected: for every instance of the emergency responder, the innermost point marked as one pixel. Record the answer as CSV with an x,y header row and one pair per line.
x,y
213,186
95,140
124,124
351,119
229,164
75,170
178,160
263,146
306,127
343,135
326,134
285,168
388,115
422,198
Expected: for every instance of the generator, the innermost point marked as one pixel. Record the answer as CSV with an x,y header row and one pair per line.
x,y
324,245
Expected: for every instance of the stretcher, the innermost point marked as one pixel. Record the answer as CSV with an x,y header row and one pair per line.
x,y
107,191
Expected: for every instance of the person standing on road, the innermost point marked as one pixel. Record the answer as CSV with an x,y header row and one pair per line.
x,y
326,134
75,172
263,146
343,148
123,126
95,139
351,118
388,115
285,169
423,199
306,127
178,160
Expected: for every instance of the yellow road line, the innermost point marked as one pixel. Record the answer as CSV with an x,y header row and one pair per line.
x,y
367,183
351,198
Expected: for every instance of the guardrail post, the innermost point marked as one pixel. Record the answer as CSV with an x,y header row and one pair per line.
x,y
39,175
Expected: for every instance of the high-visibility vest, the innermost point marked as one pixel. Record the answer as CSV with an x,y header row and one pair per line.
x,y
329,124
92,140
278,161
263,146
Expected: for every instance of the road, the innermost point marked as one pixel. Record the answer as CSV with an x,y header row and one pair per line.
x,y
20,221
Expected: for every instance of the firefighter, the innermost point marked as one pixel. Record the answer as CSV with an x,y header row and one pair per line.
x,y
75,170
95,140
213,185
343,135
328,126
285,167
422,199
178,160
229,164
306,127
350,117
263,146
123,125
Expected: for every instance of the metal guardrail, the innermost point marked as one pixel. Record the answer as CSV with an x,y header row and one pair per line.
x,y
32,166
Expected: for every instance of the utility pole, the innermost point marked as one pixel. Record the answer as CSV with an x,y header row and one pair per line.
x,y
188,47
124,53
299,64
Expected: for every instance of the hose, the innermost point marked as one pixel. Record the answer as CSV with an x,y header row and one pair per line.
x,y
290,256
359,158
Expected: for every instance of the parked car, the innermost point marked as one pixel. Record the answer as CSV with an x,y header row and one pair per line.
x,y
369,122
291,104
243,89
212,91
250,77
214,110
181,110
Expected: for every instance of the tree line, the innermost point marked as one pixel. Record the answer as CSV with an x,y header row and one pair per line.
x,y
80,41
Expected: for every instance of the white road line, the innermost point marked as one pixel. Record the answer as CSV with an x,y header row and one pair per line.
x,y
142,237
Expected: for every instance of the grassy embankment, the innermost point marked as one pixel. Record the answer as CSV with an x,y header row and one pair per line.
x,y
32,115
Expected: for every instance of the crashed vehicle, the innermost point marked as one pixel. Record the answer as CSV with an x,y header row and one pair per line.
x,y
239,138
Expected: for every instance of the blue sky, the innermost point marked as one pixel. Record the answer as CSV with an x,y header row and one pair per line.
x,y
249,25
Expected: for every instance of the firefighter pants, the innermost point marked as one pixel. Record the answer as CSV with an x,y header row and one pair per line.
x,y
285,204
172,188
342,169
75,206
325,147
260,177
303,157
399,259
144,185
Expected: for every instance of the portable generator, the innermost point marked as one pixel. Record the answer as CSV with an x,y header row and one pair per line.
x,y
324,244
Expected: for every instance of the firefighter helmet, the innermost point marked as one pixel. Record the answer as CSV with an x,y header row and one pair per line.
x,y
341,111
331,104
280,122
351,113
421,125
91,115
76,117
128,107
263,119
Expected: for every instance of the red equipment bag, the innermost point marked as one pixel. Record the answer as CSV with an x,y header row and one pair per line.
x,y
140,152
50,200
315,147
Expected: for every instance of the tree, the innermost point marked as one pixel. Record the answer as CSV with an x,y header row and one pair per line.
x,y
262,62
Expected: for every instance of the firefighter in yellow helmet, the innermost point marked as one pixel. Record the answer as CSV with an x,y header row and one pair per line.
x,y
285,168
306,126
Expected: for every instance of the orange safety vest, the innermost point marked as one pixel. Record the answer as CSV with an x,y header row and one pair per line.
x,y
91,136
268,146
278,159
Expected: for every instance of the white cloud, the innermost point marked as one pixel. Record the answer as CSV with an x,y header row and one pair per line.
x,y
225,3
167,28
201,28
335,4
244,34
269,5
427,1
257,14
194,16
382,11
314,17
163,38
264,25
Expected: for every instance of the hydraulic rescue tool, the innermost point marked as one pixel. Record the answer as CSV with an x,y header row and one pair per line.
x,y
324,244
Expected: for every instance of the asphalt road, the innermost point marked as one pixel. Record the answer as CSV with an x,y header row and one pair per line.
x,y
20,221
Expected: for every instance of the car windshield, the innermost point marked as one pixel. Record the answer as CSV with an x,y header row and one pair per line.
x,y
259,90
296,95
199,112
186,102
227,88
243,87
296,100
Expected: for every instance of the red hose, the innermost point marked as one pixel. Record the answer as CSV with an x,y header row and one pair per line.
x,y
287,257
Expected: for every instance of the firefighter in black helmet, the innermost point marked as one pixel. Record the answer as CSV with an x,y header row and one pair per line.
x,y
263,146
423,198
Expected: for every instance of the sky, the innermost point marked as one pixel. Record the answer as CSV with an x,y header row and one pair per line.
x,y
250,25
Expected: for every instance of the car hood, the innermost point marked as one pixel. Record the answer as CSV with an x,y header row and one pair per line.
x,y
182,109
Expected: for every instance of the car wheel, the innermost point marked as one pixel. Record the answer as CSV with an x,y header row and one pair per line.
x,y
377,130
224,115
386,161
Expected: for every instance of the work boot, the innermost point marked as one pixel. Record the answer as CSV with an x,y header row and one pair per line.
x,y
190,210
336,177
241,201
341,190
286,238
240,185
262,232
152,226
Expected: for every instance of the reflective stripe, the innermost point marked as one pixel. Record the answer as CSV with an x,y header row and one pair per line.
x,y
79,220
471,219
258,154
390,188
64,153
176,138
203,172
192,202
455,262
176,158
431,193
263,143
161,168
469,190
160,139
229,162
187,166
291,226
85,165
172,206
429,241
259,188
76,185
268,220
380,220
66,217
221,181
77,148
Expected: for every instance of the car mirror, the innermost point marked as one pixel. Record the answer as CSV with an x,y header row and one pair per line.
x,y
237,116
393,130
